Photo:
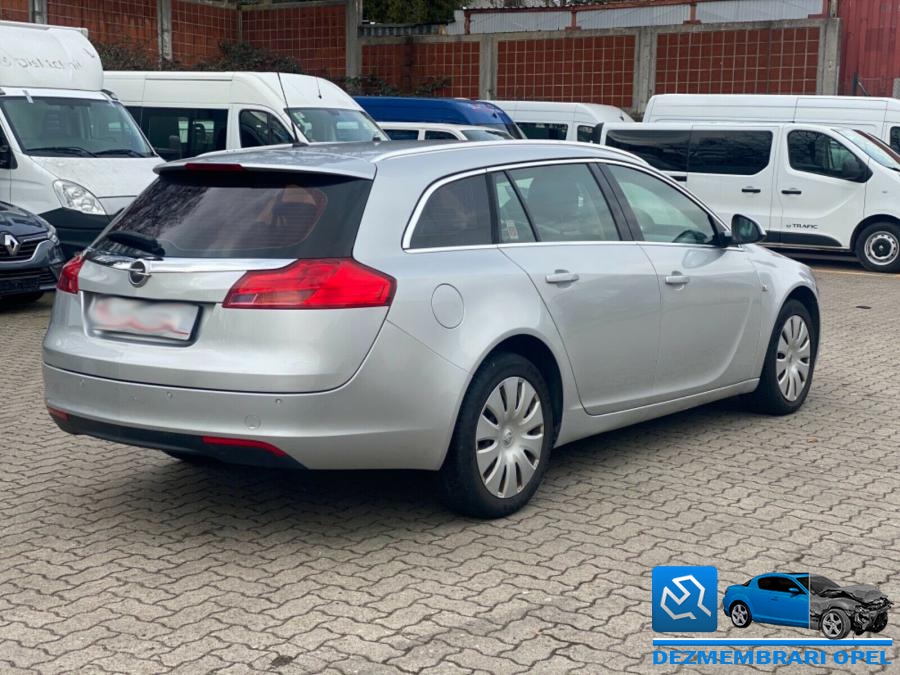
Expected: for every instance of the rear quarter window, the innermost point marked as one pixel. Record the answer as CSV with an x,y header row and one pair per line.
x,y
206,214
456,214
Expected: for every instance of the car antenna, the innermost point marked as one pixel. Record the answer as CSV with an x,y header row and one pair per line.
x,y
297,142
319,88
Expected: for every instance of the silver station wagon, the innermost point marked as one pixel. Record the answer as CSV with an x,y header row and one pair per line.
x,y
460,308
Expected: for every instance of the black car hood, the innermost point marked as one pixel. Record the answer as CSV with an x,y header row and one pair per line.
x,y
20,223
860,592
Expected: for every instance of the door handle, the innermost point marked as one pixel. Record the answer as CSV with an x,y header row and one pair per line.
x,y
681,178
751,190
792,191
561,277
677,279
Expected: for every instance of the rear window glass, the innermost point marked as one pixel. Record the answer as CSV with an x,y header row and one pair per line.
x,y
738,153
664,150
456,214
895,138
241,215
544,130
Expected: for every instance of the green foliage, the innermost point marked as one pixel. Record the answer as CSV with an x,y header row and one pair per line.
x,y
243,56
372,85
124,56
411,11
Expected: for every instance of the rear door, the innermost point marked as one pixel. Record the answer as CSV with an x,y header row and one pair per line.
x,y
557,224
733,170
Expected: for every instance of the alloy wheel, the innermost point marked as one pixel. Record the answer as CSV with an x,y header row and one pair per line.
x,y
793,359
739,615
882,248
832,625
509,437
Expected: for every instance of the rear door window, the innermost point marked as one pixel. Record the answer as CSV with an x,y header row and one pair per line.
x,y
456,214
895,138
739,153
666,150
208,214
546,131
512,221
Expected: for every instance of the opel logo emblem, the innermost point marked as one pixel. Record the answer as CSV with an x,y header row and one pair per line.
x,y
11,244
138,273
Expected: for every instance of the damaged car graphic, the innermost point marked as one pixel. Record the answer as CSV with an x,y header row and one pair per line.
x,y
836,610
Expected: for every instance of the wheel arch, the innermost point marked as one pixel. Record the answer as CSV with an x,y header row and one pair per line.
x,y
743,599
806,297
877,218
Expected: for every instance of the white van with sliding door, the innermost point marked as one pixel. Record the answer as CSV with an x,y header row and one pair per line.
x,y
809,186
189,113
877,116
68,150
550,120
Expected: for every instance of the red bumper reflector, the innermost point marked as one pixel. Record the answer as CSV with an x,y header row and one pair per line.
x,y
59,414
244,443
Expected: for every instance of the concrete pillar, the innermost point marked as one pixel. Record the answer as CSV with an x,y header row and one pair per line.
x,y
896,87
644,68
487,66
164,29
353,48
828,75
38,11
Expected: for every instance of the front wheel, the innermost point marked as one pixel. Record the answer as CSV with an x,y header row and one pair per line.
x,y
835,624
878,247
790,360
502,440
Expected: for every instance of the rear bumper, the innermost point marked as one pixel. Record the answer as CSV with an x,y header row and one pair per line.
x,y
397,412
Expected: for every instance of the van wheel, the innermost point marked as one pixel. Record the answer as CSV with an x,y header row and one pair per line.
x,y
790,361
878,247
502,440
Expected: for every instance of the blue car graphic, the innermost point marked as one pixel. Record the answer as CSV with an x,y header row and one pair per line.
x,y
778,598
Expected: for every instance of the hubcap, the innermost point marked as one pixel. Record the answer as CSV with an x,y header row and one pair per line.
x,y
793,359
509,437
832,625
739,615
882,248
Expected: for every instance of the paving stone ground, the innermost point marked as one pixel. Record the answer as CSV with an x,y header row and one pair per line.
x,y
114,559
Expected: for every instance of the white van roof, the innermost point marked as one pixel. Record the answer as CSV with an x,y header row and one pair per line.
x,y
48,57
595,111
155,87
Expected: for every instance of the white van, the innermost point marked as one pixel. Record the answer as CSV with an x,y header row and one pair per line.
x,y
809,186
877,116
68,151
189,113
562,121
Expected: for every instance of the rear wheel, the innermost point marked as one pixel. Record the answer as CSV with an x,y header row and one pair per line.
x,y
502,440
878,247
740,615
790,360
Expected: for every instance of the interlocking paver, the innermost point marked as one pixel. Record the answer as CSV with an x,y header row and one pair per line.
x,y
115,559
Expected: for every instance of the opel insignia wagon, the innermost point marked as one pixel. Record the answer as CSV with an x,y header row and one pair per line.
x,y
456,308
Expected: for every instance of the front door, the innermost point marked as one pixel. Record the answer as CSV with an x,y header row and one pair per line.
x,y
600,290
710,294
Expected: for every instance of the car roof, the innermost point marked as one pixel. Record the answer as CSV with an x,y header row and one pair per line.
x,y
359,160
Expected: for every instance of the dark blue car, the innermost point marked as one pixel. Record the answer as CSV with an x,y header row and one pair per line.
x,y
779,598
443,110
30,256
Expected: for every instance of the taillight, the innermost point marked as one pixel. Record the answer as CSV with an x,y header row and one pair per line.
x,y
327,283
68,276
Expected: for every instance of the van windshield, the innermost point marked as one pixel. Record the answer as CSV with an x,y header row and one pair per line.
x,y
873,147
73,127
336,125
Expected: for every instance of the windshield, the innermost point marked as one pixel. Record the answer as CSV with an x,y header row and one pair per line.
x,y
74,127
873,147
486,134
334,125
818,584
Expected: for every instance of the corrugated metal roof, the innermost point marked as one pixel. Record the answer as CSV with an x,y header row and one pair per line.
x,y
756,10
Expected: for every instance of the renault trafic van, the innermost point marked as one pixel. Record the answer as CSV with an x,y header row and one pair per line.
x,y
560,121
189,113
877,116
68,150
809,186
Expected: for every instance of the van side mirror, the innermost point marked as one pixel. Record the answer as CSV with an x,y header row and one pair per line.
x,y
745,230
597,133
7,161
854,170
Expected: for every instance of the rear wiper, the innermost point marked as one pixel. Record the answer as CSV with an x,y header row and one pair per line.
x,y
136,241
120,151
65,150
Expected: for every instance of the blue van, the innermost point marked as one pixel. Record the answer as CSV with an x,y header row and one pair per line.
x,y
444,110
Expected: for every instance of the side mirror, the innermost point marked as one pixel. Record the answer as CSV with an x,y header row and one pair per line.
x,y
794,591
597,133
745,230
854,170
6,158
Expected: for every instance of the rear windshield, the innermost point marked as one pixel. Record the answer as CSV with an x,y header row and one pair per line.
x,y
240,215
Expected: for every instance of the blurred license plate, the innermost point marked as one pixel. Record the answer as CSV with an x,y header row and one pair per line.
x,y
170,320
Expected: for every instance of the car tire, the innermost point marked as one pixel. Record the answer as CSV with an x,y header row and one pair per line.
x,y
508,405
880,623
878,247
191,458
740,615
835,624
782,389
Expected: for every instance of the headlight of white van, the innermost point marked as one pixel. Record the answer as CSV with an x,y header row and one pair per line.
x,y
73,196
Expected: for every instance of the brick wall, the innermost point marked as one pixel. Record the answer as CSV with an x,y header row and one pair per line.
x,y
197,30
765,61
314,35
408,66
130,21
14,10
598,69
